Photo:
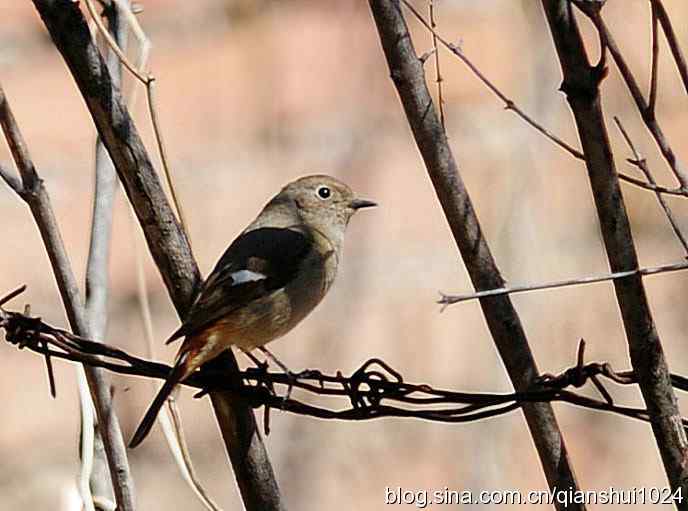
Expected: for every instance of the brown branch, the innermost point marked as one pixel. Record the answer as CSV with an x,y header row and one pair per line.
x,y
678,192
10,180
166,240
438,73
509,104
581,86
503,321
655,270
652,101
671,38
642,165
647,114
36,197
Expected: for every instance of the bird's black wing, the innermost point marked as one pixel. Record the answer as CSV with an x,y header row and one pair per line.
x,y
256,263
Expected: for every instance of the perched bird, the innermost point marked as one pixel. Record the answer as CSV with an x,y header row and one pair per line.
x,y
267,281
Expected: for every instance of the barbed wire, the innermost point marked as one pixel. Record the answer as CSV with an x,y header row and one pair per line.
x,y
374,390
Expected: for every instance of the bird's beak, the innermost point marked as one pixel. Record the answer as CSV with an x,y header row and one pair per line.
x,y
362,203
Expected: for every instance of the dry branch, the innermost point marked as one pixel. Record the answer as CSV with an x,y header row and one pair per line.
x,y
509,104
94,480
407,74
166,240
647,112
665,21
642,165
32,191
581,85
509,290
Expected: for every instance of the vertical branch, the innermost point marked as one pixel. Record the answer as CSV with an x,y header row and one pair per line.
x,y
97,271
665,21
607,42
642,165
71,36
581,86
438,74
166,240
34,194
502,319
652,101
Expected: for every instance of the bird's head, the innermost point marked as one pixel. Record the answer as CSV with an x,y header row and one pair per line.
x,y
324,203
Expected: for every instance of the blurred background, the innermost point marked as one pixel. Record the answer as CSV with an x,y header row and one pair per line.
x,y
253,94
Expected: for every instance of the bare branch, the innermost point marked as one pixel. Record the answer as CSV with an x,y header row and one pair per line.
x,y
35,195
652,101
11,180
509,104
166,240
642,164
581,85
160,140
502,319
148,80
671,38
114,46
648,115
680,192
184,461
438,74
451,299
169,420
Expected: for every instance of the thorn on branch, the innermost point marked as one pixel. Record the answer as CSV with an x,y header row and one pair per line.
x,y
12,294
425,56
456,47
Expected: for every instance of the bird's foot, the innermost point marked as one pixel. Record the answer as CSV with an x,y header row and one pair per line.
x,y
292,377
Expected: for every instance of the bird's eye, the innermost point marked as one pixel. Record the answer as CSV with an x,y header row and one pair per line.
x,y
324,192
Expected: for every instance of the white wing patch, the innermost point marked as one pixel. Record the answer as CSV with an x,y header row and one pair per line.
x,y
242,276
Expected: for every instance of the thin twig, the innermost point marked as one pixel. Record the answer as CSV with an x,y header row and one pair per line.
x,y
647,114
143,78
152,108
169,420
678,192
184,460
438,74
451,299
652,101
10,179
166,239
642,164
148,81
671,38
509,104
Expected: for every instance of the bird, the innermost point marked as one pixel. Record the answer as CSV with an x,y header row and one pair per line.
x,y
268,280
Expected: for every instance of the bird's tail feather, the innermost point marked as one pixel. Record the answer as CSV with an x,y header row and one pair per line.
x,y
152,413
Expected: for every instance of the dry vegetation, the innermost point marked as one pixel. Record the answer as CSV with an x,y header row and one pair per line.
x,y
251,97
